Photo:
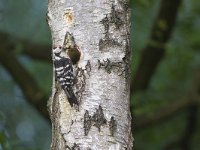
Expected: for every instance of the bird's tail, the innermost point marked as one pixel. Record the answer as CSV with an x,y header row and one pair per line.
x,y
71,97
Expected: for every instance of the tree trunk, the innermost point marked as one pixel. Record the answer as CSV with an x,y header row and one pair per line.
x,y
101,31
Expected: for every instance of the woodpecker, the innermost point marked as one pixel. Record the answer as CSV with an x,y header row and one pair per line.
x,y
64,73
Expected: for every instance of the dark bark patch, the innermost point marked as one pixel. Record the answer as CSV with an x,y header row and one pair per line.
x,y
72,49
87,122
98,118
111,66
112,125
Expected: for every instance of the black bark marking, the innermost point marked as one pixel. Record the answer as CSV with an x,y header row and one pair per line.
x,y
124,5
118,67
88,67
87,122
98,118
112,126
99,64
108,66
72,122
105,22
115,17
105,64
75,147
127,60
80,83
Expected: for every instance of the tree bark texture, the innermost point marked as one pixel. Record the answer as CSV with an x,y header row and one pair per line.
x,y
101,31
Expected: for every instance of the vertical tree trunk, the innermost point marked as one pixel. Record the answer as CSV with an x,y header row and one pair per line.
x,y
101,31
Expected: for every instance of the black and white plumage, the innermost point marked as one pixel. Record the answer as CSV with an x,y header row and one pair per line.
x,y
64,74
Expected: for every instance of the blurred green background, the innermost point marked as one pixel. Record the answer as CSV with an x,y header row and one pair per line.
x,y
165,85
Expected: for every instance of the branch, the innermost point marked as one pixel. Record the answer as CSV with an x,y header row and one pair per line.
x,y
155,49
183,141
26,82
164,113
191,127
35,51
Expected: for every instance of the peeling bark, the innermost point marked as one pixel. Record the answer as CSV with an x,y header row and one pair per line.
x,y
101,31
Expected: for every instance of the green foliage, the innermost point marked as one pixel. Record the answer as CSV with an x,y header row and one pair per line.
x,y
174,75
22,128
26,19
39,70
157,137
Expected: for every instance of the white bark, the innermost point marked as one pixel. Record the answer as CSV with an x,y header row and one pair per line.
x,y
101,30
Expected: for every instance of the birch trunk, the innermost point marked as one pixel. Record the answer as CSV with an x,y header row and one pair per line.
x,y
101,31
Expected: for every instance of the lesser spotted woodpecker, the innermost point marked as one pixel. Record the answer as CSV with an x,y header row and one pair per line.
x,y
64,74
